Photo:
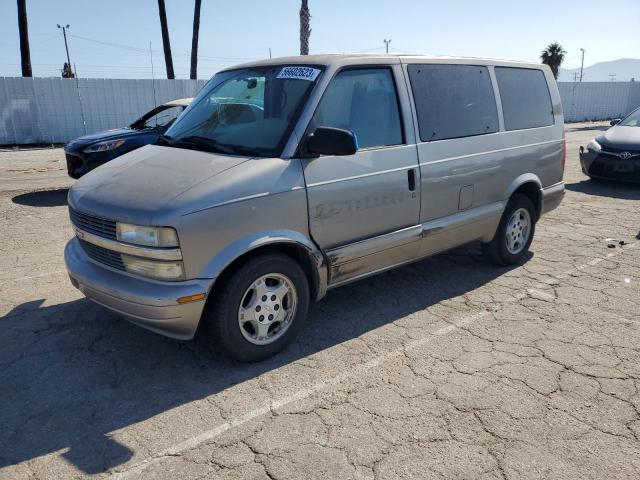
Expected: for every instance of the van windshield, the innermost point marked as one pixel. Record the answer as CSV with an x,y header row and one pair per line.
x,y
249,111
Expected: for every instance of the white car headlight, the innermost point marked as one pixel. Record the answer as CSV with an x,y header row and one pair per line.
x,y
594,146
104,146
158,269
147,236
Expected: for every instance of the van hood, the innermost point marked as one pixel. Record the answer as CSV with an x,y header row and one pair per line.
x,y
136,185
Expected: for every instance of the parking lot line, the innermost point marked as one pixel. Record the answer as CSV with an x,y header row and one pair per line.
x,y
208,435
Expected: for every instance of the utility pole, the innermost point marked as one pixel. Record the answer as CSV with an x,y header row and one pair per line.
x,y
66,46
386,43
194,40
582,64
612,77
166,43
25,53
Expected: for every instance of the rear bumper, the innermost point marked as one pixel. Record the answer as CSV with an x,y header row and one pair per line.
x,y
147,303
551,197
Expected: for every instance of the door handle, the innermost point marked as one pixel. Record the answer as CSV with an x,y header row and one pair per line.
x,y
411,178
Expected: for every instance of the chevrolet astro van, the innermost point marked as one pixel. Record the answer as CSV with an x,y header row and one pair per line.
x,y
288,177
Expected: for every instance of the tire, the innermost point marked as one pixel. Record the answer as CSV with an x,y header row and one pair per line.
x,y
503,252
232,317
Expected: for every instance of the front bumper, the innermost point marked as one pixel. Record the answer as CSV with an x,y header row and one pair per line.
x,y
148,303
597,165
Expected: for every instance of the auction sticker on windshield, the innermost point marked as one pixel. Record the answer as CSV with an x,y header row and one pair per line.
x,y
299,73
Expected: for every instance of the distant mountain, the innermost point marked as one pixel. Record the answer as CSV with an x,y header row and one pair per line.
x,y
624,70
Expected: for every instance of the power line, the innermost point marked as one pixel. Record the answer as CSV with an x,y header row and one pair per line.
x,y
146,51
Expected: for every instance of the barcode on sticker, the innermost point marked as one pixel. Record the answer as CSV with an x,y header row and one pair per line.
x,y
299,73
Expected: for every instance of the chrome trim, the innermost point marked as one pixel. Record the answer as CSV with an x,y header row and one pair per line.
x,y
421,164
489,152
619,155
128,249
364,175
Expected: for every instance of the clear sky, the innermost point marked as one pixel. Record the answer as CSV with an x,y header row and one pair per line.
x,y
232,32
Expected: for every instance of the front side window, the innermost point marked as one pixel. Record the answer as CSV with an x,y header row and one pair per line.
x,y
364,101
248,111
526,102
453,101
632,120
158,117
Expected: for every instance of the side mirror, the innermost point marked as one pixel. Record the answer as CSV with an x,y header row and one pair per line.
x,y
331,141
615,121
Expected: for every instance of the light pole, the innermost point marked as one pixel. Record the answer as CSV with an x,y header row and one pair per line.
x,y
66,47
387,42
582,64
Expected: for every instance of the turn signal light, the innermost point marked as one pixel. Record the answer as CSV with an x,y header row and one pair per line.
x,y
192,298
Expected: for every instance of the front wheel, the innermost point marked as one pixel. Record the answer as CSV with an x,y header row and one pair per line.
x,y
515,232
260,308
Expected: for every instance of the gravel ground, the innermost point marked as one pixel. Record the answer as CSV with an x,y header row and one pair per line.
x,y
448,368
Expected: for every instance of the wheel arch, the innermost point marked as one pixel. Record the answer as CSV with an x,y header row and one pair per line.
x,y
530,185
291,243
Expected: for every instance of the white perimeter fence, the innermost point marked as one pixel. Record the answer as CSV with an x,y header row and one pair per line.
x,y
56,110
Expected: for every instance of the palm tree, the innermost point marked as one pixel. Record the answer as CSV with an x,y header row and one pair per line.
x,y
194,40
25,53
553,56
166,44
305,30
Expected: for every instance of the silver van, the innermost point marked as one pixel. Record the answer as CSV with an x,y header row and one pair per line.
x,y
288,177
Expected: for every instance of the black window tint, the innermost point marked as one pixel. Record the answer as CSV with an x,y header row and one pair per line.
x,y
526,102
365,102
453,101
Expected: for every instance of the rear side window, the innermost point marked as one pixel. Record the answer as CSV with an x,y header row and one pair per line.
x,y
453,101
362,100
526,102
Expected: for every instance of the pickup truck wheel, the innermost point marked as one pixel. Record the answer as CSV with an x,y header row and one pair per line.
x,y
260,308
514,234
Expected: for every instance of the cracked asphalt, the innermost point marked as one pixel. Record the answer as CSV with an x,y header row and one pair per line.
x,y
448,368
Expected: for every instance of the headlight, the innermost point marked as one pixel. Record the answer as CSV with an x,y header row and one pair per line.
x,y
148,236
104,146
594,146
158,269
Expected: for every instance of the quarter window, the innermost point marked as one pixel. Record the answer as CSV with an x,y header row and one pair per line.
x,y
365,102
526,102
453,101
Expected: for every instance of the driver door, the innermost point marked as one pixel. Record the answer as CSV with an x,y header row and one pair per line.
x,y
364,208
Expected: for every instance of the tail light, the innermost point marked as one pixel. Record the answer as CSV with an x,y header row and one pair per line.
x,y
564,154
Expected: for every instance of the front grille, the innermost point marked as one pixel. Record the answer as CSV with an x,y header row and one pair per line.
x,y
616,168
615,150
103,255
73,164
98,226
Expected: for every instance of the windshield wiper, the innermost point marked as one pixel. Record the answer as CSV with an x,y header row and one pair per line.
x,y
164,139
210,144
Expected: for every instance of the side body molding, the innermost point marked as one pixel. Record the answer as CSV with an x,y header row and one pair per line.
x,y
247,244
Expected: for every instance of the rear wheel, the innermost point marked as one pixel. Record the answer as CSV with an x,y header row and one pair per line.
x,y
260,308
515,232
